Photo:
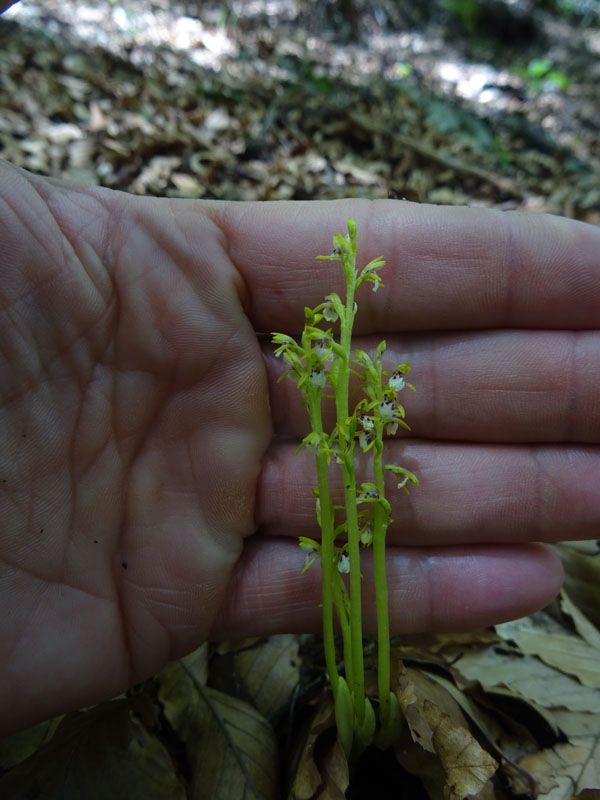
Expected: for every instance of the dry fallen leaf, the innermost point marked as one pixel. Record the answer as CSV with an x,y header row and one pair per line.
x,y
336,775
320,770
527,677
20,745
230,747
105,752
586,629
581,561
264,672
467,765
439,727
566,769
555,646
508,740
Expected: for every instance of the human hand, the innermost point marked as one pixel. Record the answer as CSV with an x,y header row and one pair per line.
x,y
146,505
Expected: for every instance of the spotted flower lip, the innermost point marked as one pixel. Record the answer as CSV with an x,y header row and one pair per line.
x,y
322,349
396,381
318,378
366,421
364,439
387,409
368,492
343,563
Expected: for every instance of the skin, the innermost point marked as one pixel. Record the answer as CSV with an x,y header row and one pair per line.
x,y
149,494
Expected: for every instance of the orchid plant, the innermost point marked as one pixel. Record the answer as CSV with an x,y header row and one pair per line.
x,y
321,364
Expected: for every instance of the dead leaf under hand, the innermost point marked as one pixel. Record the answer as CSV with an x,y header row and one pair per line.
x,y
230,747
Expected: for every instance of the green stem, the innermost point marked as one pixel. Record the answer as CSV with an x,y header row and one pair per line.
x,y
340,598
357,685
380,524
327,549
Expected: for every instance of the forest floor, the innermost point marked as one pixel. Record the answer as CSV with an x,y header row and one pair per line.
x,y
135,96
264,101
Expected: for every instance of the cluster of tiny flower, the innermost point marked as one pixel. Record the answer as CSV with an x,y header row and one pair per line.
x,y
312,550
316,362
388,410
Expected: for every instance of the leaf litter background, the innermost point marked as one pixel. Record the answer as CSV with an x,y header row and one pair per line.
x,y
282,100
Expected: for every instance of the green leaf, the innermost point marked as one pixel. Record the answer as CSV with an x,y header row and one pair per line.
x,y
364,732
538,67
344,715
391,728
558,79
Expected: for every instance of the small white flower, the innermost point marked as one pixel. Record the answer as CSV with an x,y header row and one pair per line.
x,y
364,439
403,482
368,494
391,428
366,421
386,409
396,382
330,313
343,563
367,535
318,378
376,281
321,348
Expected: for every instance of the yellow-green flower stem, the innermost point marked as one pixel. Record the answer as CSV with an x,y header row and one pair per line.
x,y
327,549
340,598
357,681
307,360
380,524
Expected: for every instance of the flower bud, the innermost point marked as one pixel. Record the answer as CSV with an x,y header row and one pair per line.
x,y
367,535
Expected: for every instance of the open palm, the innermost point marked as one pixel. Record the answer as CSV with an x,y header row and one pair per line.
x,y
146,504
134,420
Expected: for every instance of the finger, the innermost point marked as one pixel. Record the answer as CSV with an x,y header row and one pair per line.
x,y
447,268
467,493
492,386
429,588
